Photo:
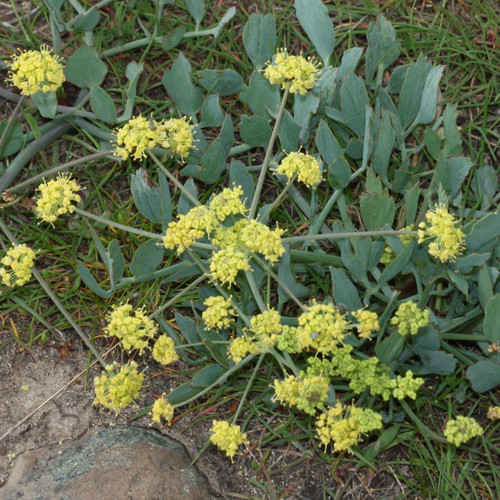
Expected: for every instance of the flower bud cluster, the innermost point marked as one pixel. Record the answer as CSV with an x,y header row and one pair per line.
x,y
227,437
461,430
305,166
164,350
409,318
218,312
307,393
17,264
162,409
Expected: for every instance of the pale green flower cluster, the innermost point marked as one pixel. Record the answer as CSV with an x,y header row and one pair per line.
x,y
164,350
301,73
140,134
17,264
288,340
321,328
132,329
227,203
461,430
118,386
308,393
409,318
448,240
305,166
35,71
227,437
389,256
162,409
239,347
181,234
218,312
56,198
367,322
363,374
344,426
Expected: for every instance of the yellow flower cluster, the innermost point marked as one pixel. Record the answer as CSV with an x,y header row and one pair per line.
x,y
116,389
164,350
461,430
389,256
218,312
35,71
227,437
321,328
344,426
56,198
162,409
494,413
226,263
307,394
260,238
367,322
301,73
448,240
140,134
181,234
407,386
132,330
266,323
409,318
305,166
240,347
180,136
227,203
17,264
288,340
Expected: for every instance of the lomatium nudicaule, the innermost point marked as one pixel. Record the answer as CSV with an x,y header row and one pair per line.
x,y
230,237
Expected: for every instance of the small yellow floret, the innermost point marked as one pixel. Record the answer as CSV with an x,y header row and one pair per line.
x,y
116,389
297,71
164,350
448,240
227,437
56,198
35,71
17,264
162,409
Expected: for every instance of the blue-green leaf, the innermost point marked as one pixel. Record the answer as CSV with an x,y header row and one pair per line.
x,y
344,291
314,18
211,112
84,68
179,85
354,100
197,9
255,130
438,362
259,38
102,104
147,258
428,103
91,282
289,133
146,197
118,262
46,103
13,141
491,324
262,97
208,375
484,375
451,173
224,83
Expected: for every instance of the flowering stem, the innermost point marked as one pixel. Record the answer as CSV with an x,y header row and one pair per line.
x,y
10,122
56,301
255,291
421,427
338,236
276,202
111,223
248,387
265,164
173,179
59,168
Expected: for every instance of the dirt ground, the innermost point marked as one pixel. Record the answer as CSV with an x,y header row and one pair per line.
x,y
45,401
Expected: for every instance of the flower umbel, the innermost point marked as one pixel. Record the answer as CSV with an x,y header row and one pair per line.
x,y
116,389
301,73
409,318
461,429
164,350
448,240
132,329
218,312
162,409
180,136
56,198
305,166
367,322
138,135
17,264
35,71
227,437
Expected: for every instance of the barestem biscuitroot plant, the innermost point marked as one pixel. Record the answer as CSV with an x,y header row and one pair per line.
x,y
346,360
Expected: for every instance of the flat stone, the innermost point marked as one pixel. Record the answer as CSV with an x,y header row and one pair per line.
x,y
114,463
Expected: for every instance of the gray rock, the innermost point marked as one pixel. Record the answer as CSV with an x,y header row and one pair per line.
x,y
115,463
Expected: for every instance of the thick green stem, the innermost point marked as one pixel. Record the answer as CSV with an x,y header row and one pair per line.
x,y
173,179
339,236
267,158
